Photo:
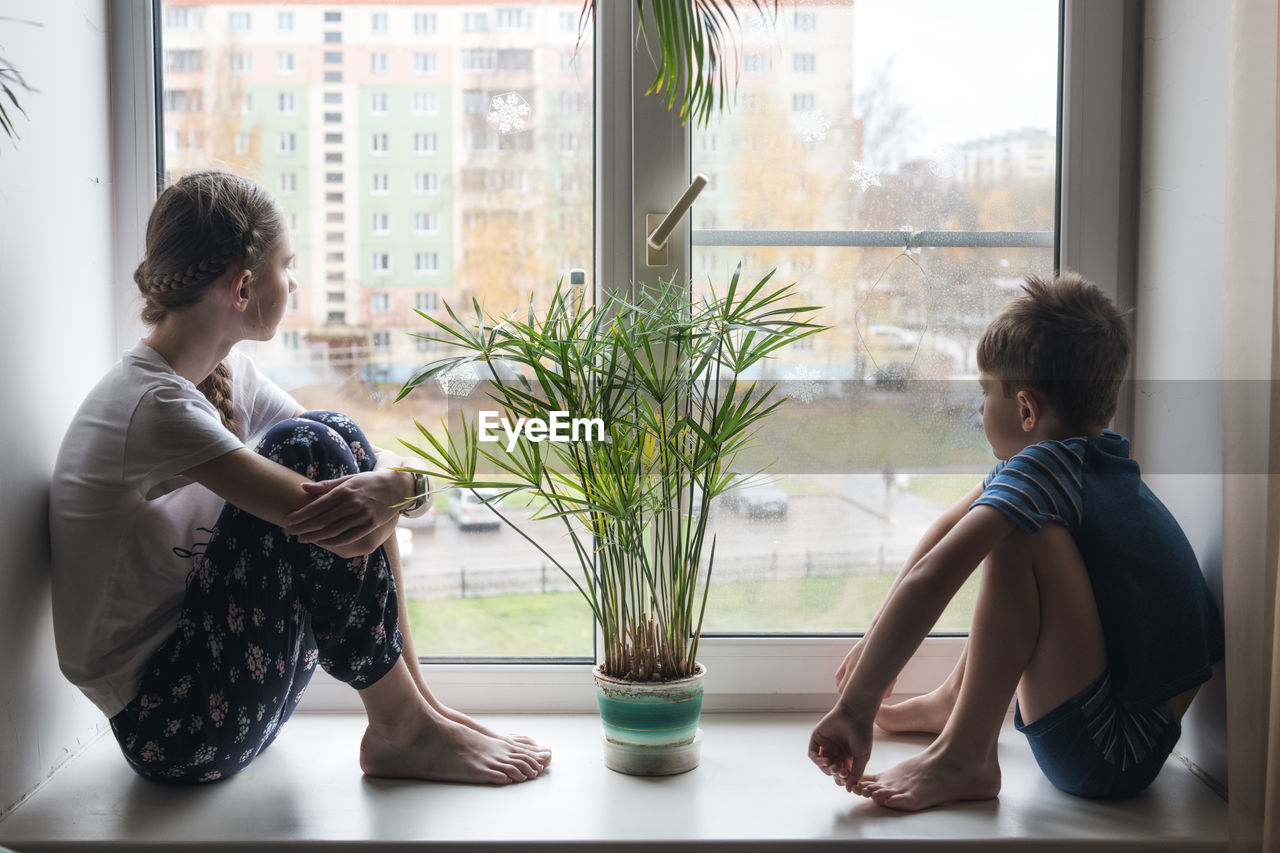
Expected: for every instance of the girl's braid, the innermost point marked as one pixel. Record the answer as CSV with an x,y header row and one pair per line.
x,y
217,390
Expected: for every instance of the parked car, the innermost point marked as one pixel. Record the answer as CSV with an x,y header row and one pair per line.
x,y
756,495
468,509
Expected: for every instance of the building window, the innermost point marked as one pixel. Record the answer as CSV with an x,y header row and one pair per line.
x,y
287,143
378,23
426,182
333,57
333,157
568,22
426,103
183,19
425,143
284,21
286,63
514,18
567,143
332,17
426,223
335,257
378,103
239,22
802,102
568,62
382,223
183,60
380,143
335,217
333,76
378,63
424,63
475,22
381,263
183,101
286,103
805,22
289,340
333,237
380,303
805,63
424,23
288,183
426,262
336,317
474,102
333,198
755,63
241,62
333,118
707,142
426,301
382,340
333,177
292,305
333,139
333,97
381,183
241,144
333,37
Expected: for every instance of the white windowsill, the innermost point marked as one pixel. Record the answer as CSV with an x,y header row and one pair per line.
x,y
755,790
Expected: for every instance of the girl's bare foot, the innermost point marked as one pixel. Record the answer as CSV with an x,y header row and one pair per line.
x,y
927,713
442,750
541,754
931,778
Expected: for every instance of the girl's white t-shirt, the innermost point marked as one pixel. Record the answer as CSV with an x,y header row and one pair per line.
x,y
119,507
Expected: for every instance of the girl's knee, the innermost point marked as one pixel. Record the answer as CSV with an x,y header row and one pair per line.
x,y
312,448
351,434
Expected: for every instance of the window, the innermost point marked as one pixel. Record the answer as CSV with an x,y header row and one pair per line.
x,y
425,143
566,143
333,57
707,141
426,223
378,63
802,102
474,102
424,63
241,144
335,257
568,62
333,76
289,340
183,60
183,101
333,118
426,182
426,301
382,223
569,22
287,143
333,97
381,263
336,318
286,103
333,139
288,183
475,22
241,62
378,23
380,183
178,18
379,303
333,198
382,340
333,156
514,18
239,22
805,63
380,143
333,37
569,103
286,63
424,23
805,22
426,103
332,17
426,262
755,63
284,23
378,103
333,177
335,297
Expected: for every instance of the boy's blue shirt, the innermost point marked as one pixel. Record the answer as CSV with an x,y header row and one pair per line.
x,y
1161,627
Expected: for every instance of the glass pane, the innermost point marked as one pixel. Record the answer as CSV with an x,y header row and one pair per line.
x,y
880,116
426,153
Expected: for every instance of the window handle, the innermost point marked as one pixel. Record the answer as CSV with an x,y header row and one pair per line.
x,y
659,226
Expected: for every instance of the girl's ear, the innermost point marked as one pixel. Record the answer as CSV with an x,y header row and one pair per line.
x,y
237,289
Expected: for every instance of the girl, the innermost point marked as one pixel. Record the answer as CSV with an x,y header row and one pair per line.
x,y
199,653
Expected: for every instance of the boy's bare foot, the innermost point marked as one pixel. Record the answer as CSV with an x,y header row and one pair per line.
x,y
927,713
442,750
931,778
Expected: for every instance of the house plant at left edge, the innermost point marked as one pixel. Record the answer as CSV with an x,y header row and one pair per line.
x,y
658,380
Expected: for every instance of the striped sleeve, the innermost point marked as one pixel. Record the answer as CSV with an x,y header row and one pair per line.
x,y
1040,485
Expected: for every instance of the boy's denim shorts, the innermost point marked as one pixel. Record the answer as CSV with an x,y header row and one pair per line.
x,y
1092,745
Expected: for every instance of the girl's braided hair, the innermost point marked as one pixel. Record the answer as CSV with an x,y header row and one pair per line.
x,y
201,225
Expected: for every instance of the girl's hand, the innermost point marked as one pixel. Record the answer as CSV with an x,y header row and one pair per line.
x,y
841,745
347,515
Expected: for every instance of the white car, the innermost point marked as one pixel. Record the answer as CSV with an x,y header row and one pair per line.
x,y
467,508
756,495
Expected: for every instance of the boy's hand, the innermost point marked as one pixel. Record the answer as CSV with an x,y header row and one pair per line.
x,y
841,745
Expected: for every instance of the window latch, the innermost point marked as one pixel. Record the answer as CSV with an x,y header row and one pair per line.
x,y
659,226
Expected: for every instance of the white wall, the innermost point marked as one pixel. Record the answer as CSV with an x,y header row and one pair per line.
x,y
56,339
1178,365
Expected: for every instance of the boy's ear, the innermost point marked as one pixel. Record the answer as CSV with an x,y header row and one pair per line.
x,y
1031,408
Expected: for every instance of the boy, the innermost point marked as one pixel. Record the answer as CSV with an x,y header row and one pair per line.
x,y
1091,607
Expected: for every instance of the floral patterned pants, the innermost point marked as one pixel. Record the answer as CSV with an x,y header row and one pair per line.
x,y
261,609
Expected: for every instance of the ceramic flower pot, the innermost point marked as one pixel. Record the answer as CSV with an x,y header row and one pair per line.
x,y
650,728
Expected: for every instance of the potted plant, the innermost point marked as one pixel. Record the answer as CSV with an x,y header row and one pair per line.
x,y
657,383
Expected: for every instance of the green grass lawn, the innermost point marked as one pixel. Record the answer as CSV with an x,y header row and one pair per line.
x,y
559,623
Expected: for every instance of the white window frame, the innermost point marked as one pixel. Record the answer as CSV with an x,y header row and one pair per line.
x,y
379,103
286,103
381,224
426,222
380,183
424,23
746,672
426,62
286,62
425,104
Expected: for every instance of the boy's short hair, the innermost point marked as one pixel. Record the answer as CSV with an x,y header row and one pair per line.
x,y
1064,338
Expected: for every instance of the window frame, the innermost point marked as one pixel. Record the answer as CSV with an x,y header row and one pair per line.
x,y
1095,196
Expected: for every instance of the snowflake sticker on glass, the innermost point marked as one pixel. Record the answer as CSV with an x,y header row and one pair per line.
x,y
509,112
804,384
459,381
864,177
811,125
